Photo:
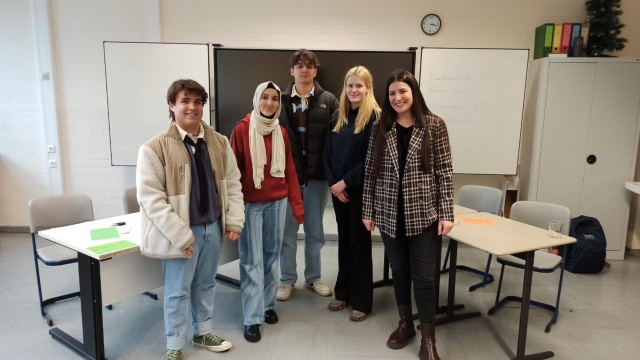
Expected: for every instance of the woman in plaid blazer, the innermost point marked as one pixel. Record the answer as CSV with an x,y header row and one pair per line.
x,y
408,195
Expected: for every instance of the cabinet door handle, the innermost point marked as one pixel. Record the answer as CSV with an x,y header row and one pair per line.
x,y
591,159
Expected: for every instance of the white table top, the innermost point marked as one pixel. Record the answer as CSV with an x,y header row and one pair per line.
x,y
632,186
505,236
78,238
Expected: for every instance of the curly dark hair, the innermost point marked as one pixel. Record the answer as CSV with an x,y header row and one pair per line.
x,y
190,87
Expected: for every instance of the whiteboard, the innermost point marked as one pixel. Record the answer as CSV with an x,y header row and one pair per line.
x,y
479,93
138,76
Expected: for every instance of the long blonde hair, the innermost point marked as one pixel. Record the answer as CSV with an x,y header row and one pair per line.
x,y
368,106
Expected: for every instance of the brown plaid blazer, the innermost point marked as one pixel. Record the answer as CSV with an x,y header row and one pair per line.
x,y
427,197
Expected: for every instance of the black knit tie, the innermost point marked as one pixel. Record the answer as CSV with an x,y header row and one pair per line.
x,y
201,148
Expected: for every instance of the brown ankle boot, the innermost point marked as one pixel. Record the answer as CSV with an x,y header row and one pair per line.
x,y
405,330
428,345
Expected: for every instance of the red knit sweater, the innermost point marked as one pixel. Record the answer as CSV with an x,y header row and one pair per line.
x,y
272,188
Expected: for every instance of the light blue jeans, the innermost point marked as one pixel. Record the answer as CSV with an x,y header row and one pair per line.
x,y
191,281
314,197
259,246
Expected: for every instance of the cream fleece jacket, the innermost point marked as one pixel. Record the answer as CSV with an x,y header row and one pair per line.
x,y
163,180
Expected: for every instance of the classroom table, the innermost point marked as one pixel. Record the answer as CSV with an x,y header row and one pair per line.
x,y
112,275
105,278
501,237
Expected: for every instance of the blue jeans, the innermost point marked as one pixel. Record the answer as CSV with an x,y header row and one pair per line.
x,y
314,197
191,281
259,246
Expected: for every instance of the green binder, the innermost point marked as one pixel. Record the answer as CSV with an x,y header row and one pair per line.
x,y
544,38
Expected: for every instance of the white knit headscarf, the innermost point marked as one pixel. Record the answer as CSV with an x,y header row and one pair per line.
x,y
259,126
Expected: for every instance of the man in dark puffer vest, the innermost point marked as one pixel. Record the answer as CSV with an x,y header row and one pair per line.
x,y
306,112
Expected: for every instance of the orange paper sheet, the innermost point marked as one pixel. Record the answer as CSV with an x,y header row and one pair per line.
x,y
466,220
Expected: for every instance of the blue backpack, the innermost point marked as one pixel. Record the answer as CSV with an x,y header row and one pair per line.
x,y
587,256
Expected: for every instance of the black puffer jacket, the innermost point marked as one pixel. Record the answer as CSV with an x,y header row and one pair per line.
x,y
323,104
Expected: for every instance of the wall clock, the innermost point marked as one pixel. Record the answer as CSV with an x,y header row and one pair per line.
x,y
431,24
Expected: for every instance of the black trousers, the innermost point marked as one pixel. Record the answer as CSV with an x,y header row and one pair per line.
x,y
355,268
413,258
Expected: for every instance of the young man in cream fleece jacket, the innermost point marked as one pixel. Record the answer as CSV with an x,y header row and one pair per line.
x,y
190,195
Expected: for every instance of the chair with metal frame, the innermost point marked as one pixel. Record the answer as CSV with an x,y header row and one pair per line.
x,y
54,211
482,199
538,214
131,205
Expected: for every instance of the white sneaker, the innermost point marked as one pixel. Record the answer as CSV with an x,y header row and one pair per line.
x,y
284,292
320,288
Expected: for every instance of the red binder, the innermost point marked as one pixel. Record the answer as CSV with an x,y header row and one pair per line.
x,y
565,42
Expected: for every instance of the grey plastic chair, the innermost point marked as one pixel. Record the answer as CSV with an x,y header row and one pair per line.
x,y
130,200
483,199
54,211
131,205
537,214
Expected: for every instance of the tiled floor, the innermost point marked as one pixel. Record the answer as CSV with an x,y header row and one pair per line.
x,y
599,318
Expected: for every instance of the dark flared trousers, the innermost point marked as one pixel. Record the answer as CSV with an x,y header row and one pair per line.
x,y
413,258
355,275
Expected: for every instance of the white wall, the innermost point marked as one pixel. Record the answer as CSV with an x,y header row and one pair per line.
x,y
23,171
362,24
631,18
80,26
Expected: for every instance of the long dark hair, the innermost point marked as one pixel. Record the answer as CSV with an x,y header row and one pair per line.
x,y
419,112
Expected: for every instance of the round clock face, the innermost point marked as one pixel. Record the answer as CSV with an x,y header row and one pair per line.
x,y
431,24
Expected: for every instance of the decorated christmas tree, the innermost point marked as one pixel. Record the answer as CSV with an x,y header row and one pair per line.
x,y
603,17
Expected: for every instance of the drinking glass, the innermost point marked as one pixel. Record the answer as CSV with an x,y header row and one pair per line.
x,y
554,228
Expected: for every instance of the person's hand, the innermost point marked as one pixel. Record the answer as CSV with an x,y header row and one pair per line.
x,y
343,196
369,224
299,218
444,227
232,235
188,251
337,188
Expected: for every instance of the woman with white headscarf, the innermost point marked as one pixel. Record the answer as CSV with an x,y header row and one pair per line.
x,y
268,178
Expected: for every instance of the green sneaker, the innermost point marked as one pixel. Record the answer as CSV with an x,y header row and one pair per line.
x,y
211,342
173,355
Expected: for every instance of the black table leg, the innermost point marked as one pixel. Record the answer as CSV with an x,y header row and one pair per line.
x,y
439,309
92,346
450,316
386,281
228,280
438,262
442,309
524,313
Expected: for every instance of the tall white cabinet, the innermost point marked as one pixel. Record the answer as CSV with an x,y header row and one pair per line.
x,y
580,139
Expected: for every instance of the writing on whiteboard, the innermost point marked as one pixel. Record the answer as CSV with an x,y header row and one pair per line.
x,y
479,93
450,77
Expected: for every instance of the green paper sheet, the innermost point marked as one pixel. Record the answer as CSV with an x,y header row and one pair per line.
x,y
104,233
112,246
